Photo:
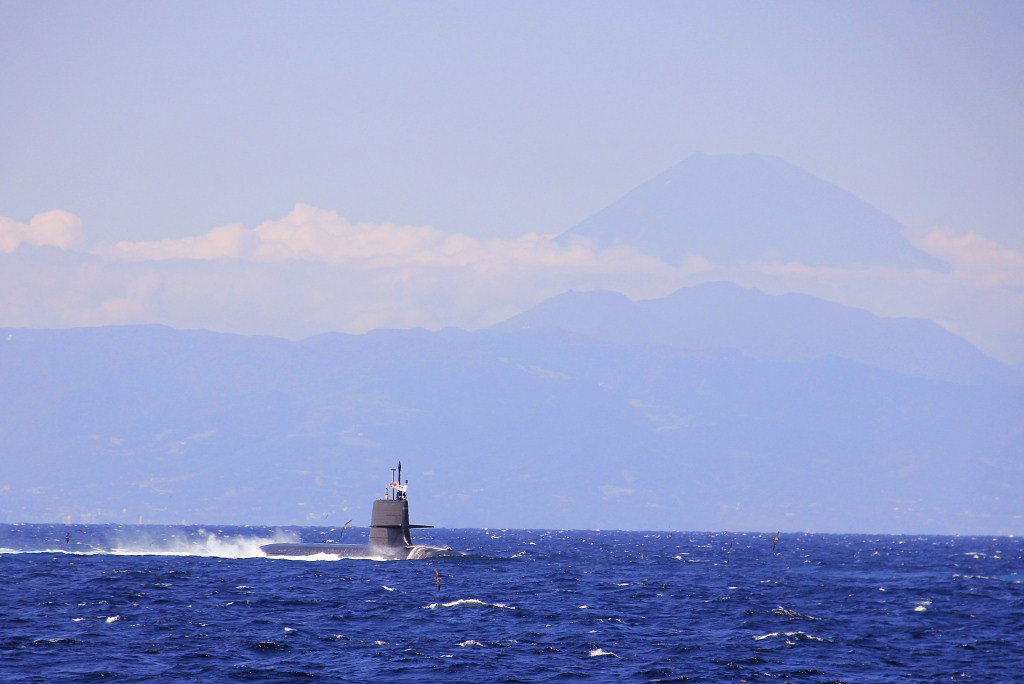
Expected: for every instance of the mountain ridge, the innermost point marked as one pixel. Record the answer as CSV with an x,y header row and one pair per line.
x,y
114,425
788,327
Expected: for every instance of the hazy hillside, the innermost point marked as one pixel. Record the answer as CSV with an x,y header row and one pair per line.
x,y
510,428
751,207
791,327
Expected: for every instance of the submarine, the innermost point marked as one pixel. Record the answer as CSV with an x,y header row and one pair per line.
x,y
389,532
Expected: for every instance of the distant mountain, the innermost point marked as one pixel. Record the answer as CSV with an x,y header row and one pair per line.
x,y
788,328
513,427
740,208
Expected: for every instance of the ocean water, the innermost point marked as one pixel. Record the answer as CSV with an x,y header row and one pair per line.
x,y
189,604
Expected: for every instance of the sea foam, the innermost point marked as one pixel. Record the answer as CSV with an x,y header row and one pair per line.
x,y
465,603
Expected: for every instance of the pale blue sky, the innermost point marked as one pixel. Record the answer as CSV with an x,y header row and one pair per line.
x,y
156,119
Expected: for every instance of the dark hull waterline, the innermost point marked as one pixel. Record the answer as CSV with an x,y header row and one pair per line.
x,y
354,550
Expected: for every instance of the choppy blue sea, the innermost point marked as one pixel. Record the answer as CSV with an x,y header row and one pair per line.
x,y
187,604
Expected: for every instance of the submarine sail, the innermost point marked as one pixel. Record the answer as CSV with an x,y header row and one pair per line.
x,y
389,531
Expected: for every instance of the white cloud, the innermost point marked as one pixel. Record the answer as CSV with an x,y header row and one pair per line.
x,y
310,234
313,271
976,260
49,229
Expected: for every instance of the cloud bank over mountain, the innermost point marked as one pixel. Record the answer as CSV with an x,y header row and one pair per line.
x,y
311,271
315,271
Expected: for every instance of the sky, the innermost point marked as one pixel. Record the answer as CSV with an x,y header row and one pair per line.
x,y
290,168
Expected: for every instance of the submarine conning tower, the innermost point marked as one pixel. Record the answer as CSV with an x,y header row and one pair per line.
x,y
389,522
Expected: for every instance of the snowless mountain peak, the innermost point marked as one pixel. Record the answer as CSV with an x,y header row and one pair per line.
x,y
735,208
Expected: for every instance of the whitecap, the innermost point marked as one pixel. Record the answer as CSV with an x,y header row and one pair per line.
x,y
786,612
601,652
380,643
113,618
387,588
470,642
289,629
460,603
791,637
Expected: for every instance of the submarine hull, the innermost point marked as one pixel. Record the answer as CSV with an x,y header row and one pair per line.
x,y
353,550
